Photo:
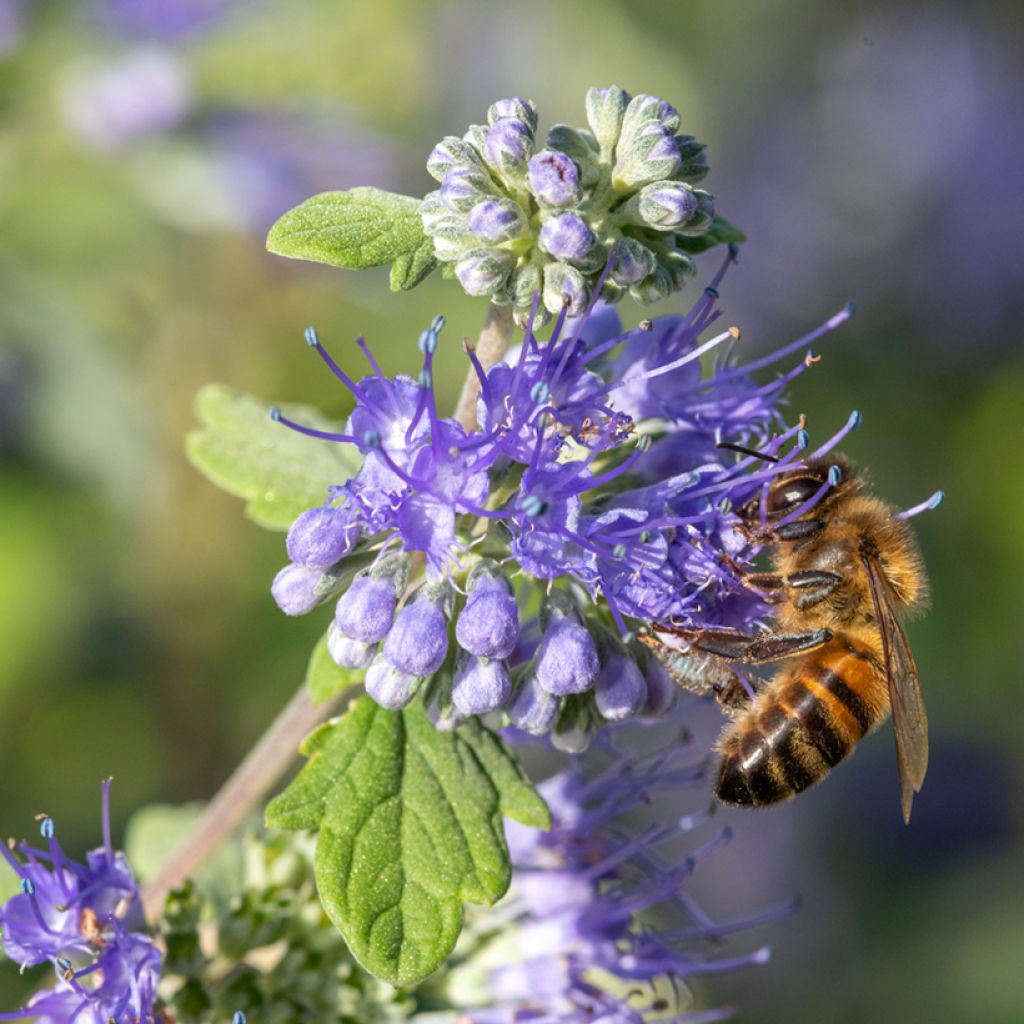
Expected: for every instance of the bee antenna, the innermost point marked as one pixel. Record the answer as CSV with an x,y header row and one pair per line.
x,y
744,450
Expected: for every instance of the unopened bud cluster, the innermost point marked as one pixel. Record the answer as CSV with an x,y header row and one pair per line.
x,y
513,217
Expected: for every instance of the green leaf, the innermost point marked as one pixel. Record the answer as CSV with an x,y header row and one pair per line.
x,y
721,232
325,677
410,823
363,227
411,268
280,473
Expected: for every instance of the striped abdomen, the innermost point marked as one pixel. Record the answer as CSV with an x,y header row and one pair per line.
x,y
804,723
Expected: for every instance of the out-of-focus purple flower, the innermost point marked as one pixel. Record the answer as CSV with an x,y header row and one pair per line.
x,y
162,19
600,924
139,93
83,918
12,24
595,469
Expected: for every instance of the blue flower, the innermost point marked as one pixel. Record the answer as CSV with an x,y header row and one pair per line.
x,y
592,498
599,925
85,918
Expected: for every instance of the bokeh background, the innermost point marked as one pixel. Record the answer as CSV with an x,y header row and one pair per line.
x,y
870,150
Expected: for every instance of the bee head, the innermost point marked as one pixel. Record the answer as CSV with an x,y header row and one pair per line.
x,y
828,477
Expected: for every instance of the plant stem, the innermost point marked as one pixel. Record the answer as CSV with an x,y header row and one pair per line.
x,y
247,786
490,347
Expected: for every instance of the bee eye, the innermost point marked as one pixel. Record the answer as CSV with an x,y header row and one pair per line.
x,y
788,494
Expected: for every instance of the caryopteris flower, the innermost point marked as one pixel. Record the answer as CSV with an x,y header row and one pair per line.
x,y
85,918
513,217
590,499
598,924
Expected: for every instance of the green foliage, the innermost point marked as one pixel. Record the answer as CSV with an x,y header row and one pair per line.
x,y
410,822
325,677
363,227
721,232
278,472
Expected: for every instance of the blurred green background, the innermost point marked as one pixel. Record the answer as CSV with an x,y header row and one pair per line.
x,y
867,149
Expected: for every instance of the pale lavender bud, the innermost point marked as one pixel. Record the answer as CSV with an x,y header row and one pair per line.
x,y
565,286
567,237
366,610
295,589
533,709
484,271
605,109
508,146
522,110
632,261
662,690
693,157
463,187
320,537
554,179
346,652
489,624
644,110
439,221
653,288
701,220
576,143
418,641
388,686
667,205
451,152
620,690
481,685
497,220
567,659
652,155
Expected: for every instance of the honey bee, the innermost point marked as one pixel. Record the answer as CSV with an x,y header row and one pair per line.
x,y
844,574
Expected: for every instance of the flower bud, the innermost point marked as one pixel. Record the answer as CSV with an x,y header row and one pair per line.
x,y
632,261
565,286
463,187
418,641
295,589
526,282
567,659
321,537
497,220
508,146
666,205
388,686
366,610
554,179
605,108
694,158
566,237
662,690
484,271
481,685
451,152
651,156
644,110
703,215
533,709
521,110
441,222
654,287
489,624
346,652
620,690
575,736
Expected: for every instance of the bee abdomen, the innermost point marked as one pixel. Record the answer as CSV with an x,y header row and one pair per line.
x,y
807,720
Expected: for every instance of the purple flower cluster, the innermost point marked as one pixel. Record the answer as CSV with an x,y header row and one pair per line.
x,y
85,919
591,498
579,942
512,217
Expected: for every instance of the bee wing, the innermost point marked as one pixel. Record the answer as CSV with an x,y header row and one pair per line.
x,y
910,723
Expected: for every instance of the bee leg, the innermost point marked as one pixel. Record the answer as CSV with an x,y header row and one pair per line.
x,y
809,586
731,695
734,645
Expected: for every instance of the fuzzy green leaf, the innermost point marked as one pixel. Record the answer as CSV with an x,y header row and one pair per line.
x,y
325,678
410,823
721,232
363,227
278,472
